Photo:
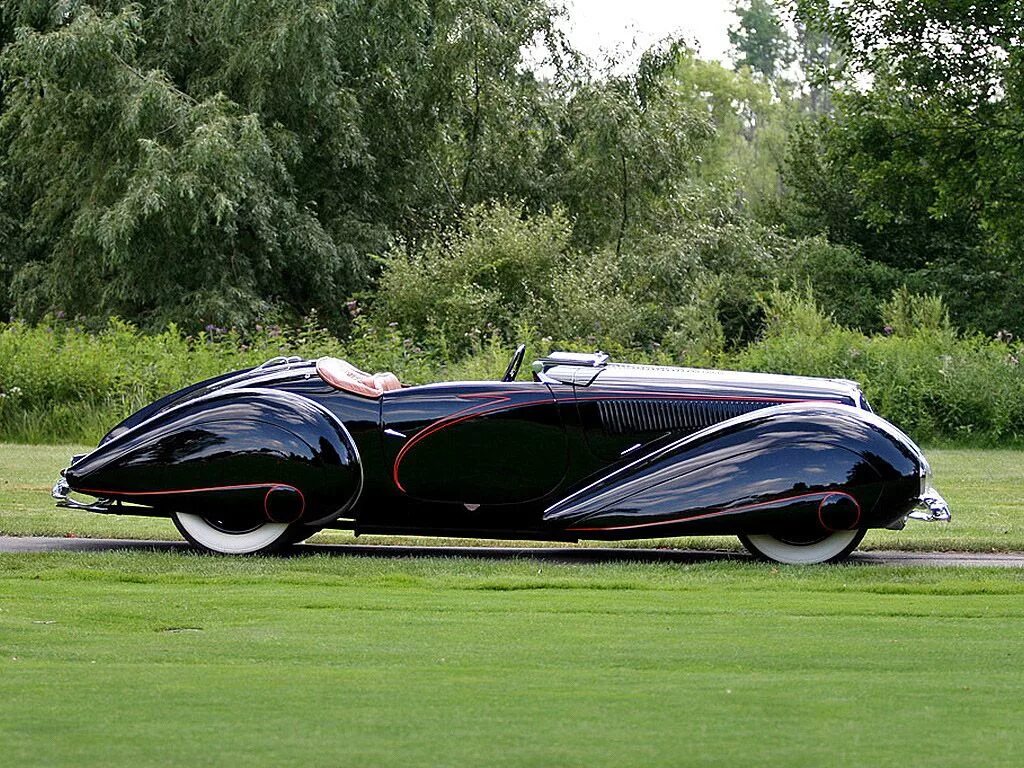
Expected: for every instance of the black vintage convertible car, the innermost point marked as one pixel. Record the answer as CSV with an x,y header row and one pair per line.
x,y
253,461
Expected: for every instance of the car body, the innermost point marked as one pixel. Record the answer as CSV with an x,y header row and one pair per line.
x,y
799,468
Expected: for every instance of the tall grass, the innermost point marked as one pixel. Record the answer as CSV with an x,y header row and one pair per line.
x,y
59,383
937,385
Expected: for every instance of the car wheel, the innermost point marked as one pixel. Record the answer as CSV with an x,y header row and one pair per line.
x,y
802,550
231,537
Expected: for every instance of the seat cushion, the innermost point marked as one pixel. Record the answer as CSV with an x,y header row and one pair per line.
x,y
387,381
341,374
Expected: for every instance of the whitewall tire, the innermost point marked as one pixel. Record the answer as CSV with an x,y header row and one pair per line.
x,y
215,536
826,548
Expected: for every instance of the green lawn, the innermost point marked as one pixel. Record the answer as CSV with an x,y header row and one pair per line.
x,y
984,487
168,659
137,658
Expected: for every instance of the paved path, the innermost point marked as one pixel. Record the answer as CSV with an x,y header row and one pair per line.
x,y
557,554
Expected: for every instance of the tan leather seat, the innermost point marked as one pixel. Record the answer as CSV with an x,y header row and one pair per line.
x,y
341,374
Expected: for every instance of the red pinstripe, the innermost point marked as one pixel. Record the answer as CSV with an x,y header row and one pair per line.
x,y
722,512
213,488
497,400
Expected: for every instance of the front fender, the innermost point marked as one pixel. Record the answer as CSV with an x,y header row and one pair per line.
x,y
242,453
789,467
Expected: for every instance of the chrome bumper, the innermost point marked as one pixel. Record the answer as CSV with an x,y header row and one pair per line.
x,y
931,508
60,493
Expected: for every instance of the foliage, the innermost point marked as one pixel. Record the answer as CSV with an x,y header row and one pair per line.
x,y
760,39
459,289
403,173
841,279
629,145
508,274
58,382
223,163
696,334
182,206
906,314
921,165
235,165
751,123
931,382
246,172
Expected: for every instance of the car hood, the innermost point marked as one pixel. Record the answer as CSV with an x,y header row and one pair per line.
x,y
709,381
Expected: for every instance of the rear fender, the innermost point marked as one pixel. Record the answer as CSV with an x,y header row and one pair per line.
x,y
791,467
243,453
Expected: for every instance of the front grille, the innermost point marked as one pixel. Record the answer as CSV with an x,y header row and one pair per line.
x,y
625,416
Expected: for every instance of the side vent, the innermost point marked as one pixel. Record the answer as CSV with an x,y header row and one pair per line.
x,y
625,416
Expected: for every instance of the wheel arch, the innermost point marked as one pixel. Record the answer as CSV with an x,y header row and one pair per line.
x,y
236,449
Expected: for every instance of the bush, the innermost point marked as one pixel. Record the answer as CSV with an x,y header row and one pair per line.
x,y
456,290
501,271
934,384
842,280
907,314
61,383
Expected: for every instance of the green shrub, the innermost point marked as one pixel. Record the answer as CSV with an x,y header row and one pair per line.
x,y
696,335
906,313
501,271
842,280
931,382
61,383
459,289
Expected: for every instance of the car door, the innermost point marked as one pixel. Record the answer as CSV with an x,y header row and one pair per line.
x,y
475,443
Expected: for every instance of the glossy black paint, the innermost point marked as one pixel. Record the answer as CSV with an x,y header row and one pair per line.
x,y
475,443
249,452
608,452
745,469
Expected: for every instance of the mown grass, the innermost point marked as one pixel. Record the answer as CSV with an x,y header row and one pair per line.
x,y
168,659
984,487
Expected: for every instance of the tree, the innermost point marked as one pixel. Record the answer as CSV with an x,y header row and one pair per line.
x,y
760,39
629,142
817,59
924,151
750,121
220,162
7,221
138,198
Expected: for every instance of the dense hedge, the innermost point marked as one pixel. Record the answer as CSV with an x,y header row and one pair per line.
x,y
59,383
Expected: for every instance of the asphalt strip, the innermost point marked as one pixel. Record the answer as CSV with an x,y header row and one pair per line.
x,y
553,554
